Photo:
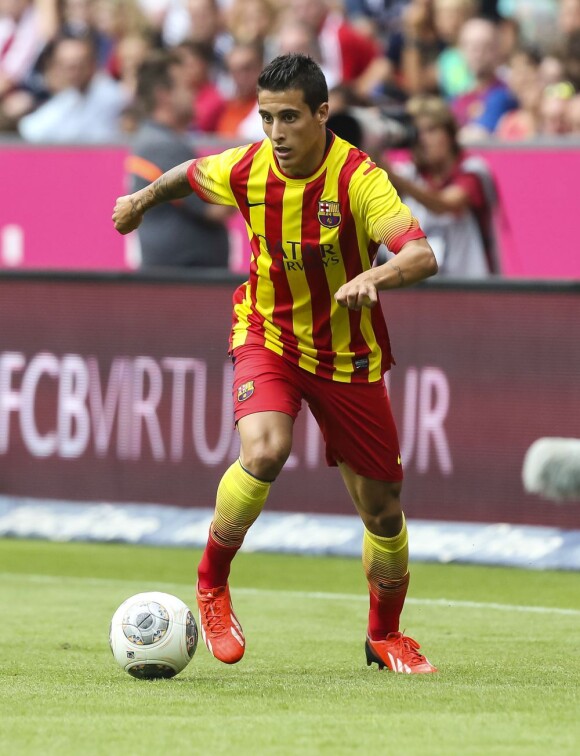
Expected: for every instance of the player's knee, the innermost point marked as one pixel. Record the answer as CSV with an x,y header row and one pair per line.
x,y
382,513
265,458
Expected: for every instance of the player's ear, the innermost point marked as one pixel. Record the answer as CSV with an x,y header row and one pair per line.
x,y
323,113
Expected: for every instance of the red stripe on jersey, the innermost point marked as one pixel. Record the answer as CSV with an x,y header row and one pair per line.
x,y
315,275
283,300
351,256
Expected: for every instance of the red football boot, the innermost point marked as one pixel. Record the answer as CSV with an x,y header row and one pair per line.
x,y
220,629
399,653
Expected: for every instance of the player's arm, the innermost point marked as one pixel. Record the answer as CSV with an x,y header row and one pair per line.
x,y
172,185
387,220
414,263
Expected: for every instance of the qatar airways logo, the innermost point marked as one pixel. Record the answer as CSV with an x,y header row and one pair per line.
x,y
295,255
140,407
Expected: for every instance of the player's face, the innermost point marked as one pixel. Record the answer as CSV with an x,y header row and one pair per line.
x,y
298,135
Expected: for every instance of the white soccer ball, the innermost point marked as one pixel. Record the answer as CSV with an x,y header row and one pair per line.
x,y
153,635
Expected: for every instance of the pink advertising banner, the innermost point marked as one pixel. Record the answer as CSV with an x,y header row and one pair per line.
x,y
56,205
538,221
55,210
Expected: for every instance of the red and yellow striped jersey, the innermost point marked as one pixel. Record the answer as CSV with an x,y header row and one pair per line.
x,y
308,237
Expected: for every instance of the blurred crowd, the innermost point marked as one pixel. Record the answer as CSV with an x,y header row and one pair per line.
x,y
507,69
432,76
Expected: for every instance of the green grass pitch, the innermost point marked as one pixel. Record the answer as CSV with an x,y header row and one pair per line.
x,y
508,681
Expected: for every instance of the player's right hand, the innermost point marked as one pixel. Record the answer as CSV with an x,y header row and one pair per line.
x,y
358,293
126,216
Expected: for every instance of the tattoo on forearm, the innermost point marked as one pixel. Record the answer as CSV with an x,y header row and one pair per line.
x,y
136,207
172,185
399,273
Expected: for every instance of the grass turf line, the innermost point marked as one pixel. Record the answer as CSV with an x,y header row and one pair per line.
x,y
507,685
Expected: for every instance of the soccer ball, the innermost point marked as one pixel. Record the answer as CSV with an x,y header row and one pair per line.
x,y
153,635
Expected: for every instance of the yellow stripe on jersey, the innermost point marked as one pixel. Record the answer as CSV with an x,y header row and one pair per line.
x,y
297,282
336,277
241,310
366,326
265,294
379,206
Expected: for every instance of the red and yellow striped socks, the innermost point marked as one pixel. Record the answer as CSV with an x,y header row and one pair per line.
x,y
240,499
386,562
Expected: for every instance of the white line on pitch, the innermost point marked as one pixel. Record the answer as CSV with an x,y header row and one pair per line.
x,y
450,603
308,595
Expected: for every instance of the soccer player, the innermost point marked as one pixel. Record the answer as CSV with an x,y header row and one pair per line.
x,y
307,326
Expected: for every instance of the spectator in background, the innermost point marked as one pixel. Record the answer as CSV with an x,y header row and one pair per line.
x,y
131,51
380,17
451,195
22,39
198,60
453,75
188,232
415,50
573,115
524,81
85,105
432,60
551,69
554,109
77,20
240,118
568,17
479,111
571,59
297,37
25,28
536,20
199,21
345,52
114,20
251,21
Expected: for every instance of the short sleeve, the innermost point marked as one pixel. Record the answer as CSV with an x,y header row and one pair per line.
x,y
387,220
210,176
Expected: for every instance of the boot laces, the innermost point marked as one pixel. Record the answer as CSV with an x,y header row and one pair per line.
x,y
213,612
406,647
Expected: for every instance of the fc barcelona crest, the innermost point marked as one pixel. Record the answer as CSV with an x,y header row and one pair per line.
x,y
245,391
329,214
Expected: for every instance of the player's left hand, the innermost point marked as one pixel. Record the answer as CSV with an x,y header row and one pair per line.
x,y
358,293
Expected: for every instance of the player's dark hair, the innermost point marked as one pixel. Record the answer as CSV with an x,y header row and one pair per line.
x,y
296,71
154,74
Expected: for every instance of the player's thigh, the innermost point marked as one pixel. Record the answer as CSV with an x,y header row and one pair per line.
x,y
358,428
266,403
